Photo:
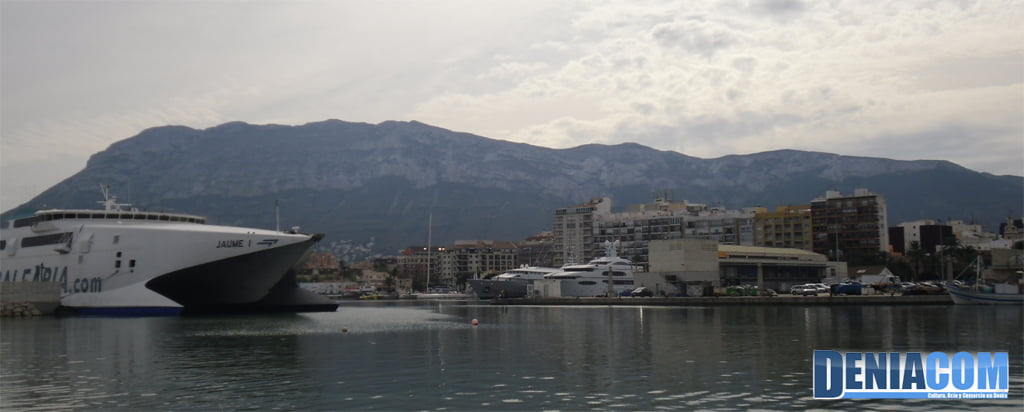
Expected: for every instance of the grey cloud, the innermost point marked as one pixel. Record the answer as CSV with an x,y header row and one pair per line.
x,y
745,64
780,6
1002,152
695,36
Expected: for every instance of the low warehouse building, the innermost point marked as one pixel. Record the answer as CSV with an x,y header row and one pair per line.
x,y
692,267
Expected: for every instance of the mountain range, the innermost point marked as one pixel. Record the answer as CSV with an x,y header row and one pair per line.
x,y
373,188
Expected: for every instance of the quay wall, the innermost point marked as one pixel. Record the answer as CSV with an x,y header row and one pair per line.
x,y
29,298
736,300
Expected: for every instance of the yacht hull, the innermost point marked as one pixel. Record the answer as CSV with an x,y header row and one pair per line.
x,y
492,289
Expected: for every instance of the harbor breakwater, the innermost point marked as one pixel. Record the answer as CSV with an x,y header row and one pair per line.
x,y
736,300
28,298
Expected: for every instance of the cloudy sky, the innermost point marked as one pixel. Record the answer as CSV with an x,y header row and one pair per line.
x,y
905,80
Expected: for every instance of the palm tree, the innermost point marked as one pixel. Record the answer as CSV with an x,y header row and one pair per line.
x,y
916,255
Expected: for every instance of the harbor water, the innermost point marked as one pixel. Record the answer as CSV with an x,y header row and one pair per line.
x,y
414,355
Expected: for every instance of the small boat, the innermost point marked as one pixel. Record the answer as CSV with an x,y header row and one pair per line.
x,y
982,293
444,295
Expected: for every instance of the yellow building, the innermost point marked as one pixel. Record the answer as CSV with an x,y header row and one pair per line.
x,y
787,226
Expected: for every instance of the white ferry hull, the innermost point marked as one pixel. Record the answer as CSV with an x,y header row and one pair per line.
x,y
113,266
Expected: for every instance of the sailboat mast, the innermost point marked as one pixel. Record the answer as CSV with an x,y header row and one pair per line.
x,y
430,225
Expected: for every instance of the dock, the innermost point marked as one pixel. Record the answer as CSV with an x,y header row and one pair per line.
x,y
734,300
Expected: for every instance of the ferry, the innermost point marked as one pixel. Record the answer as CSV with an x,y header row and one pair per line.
x,y
120,260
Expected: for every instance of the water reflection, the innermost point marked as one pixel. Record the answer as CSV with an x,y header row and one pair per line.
x,y
398,355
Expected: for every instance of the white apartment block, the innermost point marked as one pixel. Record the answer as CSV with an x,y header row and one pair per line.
x,y
574,230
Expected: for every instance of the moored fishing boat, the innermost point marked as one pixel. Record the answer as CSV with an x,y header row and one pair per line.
x,y
983,293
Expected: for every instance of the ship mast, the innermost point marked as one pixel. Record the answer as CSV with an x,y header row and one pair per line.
x,y
430,224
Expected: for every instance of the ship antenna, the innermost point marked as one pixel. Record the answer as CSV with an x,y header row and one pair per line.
x,y
110,201
277,213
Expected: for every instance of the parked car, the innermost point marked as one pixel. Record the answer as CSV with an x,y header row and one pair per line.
x,y
803,290
849,288
822,288
641,291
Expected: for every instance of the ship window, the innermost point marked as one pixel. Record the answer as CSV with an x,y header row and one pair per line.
x,y
46,239
117,238
3,244
28,221
117,264
165,217
587,282
152,217
131,263
118,254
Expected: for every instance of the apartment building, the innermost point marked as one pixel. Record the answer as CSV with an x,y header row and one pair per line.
x,y
786,226
639,224
574,230
473,257
850,227
536,250
728,227
928,234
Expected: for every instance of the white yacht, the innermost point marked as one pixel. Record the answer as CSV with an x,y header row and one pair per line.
x,y
121,260
511,284
591,279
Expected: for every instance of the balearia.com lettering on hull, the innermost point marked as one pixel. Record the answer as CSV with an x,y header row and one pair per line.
x,y
910,375
55,274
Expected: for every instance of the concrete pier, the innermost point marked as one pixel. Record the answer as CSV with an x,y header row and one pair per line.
x,y
29,298
737,300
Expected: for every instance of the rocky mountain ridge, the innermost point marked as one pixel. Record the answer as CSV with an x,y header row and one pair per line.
x,y
357,181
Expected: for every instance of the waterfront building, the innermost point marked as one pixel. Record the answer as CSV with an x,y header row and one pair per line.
x,y
692,266
969,234
586,227
536,250
413,261
1012,229
786,227
639,224
928,234
450,264
574,230
319,263
730,227
468,258
850,227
